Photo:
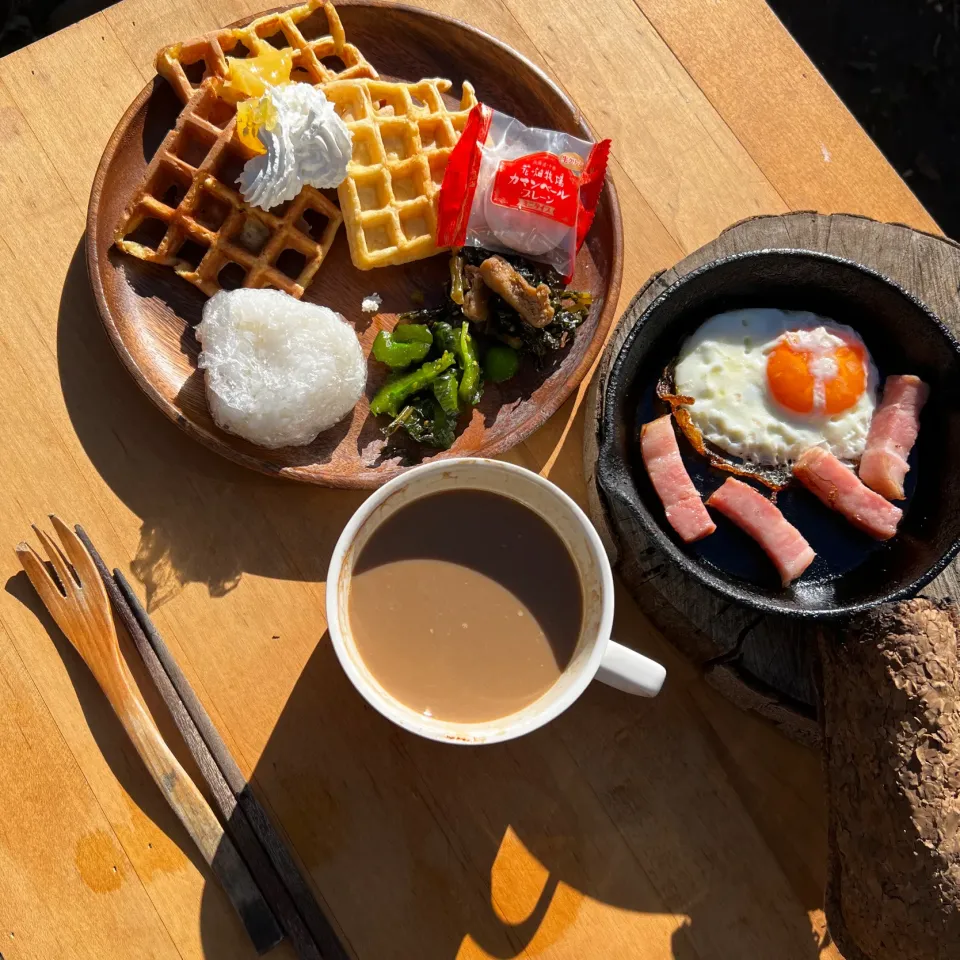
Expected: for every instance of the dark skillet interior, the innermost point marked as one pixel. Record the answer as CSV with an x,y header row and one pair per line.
x,y
852,571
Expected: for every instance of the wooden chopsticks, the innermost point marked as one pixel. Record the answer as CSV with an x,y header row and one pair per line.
x,y
273,868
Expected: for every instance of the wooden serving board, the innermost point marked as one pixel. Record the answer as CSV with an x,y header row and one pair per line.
x,y
763,663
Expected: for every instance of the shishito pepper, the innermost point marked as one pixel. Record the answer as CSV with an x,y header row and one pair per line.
x,y
394,392
446,338
388,348
413,333
471,383
445,391
461,344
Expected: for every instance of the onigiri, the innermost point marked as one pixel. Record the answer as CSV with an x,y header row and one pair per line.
x,y
278,371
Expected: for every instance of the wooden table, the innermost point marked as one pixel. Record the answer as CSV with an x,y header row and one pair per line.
x,y
678,827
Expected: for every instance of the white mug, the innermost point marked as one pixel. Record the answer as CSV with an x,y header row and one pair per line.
x,y
595,654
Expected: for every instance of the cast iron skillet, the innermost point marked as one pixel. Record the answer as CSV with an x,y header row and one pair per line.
x,y
852,572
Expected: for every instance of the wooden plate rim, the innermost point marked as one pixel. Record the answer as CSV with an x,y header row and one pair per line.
x,y
313,473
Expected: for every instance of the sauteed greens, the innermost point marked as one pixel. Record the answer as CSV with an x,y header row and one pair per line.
x,y
499,308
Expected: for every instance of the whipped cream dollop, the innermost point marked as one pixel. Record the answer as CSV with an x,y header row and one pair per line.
x,y
306,144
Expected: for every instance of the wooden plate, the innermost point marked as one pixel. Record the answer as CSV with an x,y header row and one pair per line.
x,y
150,313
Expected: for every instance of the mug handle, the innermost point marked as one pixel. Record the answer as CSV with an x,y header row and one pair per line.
x,y
630,671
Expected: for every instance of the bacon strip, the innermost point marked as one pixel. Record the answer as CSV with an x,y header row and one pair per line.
x,y
893,432
841,490
661,456
761,519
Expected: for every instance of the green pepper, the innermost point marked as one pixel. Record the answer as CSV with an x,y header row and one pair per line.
x,y
394,352
501,363
413,333
392,394
471,385
445,390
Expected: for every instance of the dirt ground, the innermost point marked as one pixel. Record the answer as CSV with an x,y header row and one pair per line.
x,y
895,63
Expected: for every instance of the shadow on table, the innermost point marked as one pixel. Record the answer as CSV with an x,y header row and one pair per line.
x,y
438,852
420,849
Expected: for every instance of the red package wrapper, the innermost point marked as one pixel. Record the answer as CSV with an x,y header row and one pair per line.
x,y
518,189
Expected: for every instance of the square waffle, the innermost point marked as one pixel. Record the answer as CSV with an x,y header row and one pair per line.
x,y
187,213
312,31
403,134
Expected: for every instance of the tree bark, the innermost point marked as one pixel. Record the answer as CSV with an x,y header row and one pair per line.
x,y
891,720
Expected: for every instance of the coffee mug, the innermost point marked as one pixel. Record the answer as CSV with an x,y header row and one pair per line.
x,y
596,655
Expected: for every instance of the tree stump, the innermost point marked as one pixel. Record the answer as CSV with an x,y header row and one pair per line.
x,y
762,663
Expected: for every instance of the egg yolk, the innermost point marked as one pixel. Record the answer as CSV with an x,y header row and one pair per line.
x,y
794,375
250,77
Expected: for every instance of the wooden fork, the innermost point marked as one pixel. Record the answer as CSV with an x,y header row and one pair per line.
x,y
81,608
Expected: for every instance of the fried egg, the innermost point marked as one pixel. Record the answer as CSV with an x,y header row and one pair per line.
x,y
767,384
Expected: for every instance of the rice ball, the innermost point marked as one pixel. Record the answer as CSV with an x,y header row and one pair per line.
x,y
278,371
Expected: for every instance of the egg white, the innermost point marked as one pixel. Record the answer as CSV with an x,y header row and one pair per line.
x,y
722,366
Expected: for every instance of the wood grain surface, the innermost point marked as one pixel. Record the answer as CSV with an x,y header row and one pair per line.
x,y
763,663
76,598
679,827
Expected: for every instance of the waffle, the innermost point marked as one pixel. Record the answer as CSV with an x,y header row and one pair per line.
x,y
403,134
188,215
186,65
